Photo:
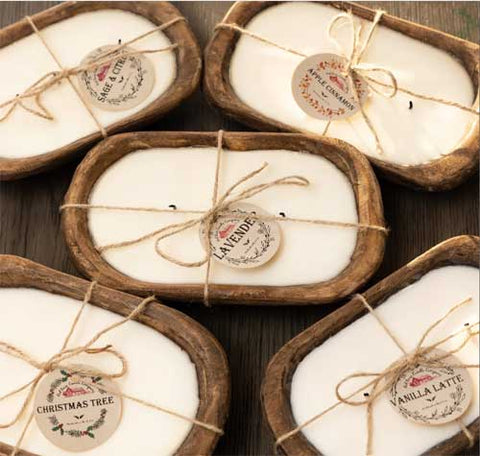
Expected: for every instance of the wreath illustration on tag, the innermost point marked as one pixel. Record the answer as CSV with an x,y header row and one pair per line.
x,y
120,84
241,240
322,90
266,233
332,69
59,427
72,390
431,395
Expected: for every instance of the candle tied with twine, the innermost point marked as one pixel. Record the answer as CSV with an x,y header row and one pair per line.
x,y
423,355
35,91
221,205
387,86
57,361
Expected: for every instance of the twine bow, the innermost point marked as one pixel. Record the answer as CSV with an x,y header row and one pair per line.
x,y
354,66
57,361
387,86
220,206
382,382
34,93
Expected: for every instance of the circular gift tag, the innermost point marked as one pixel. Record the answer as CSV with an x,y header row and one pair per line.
x,y
120,84
322,91
74,412
432,395
242,241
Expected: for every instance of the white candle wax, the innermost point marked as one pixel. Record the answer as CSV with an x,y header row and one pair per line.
x,y
185,176
26,60
159,372
261,75
364,346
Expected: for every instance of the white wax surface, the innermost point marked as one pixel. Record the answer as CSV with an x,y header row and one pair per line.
x,y
261,76
184,177
159,371
27,60
364,346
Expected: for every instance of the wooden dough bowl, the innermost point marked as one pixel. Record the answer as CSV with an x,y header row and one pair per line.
x,y
189,64
365,260
276,385
204,350
440,174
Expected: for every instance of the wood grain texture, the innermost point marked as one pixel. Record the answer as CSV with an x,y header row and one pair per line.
x,y
276,387
203,349
30,225
365,260
440,174
188,60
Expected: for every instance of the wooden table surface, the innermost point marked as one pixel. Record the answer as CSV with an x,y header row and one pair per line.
x,y
30,225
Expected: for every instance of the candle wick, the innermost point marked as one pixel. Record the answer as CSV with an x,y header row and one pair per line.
x,y
120,41
282,214
410,104
173,207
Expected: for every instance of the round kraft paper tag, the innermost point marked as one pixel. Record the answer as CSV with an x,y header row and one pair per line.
x,y
120,84
74,411
322,91
241,241
432,395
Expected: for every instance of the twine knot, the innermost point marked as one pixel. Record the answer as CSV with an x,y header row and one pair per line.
x,y
426,355
354,65
56,361
219,208
48,366
388,87
34,93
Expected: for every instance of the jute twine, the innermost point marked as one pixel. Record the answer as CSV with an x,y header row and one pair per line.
x,y
221,205
57,361
34,93
388,87
384,380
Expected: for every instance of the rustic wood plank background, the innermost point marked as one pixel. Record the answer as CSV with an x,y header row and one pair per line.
x,y
30,225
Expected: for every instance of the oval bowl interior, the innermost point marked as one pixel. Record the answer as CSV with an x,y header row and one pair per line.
x,y
366,257
439,174
189,64
276,387
202,348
